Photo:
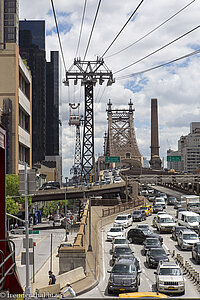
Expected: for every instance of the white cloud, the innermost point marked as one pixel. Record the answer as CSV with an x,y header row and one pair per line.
x,y
176,86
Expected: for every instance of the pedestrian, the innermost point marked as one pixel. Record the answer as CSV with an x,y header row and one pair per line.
x,y
52,278
69,289
16,225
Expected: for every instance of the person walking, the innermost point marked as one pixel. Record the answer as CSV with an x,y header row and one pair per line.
x,y
69,289
52,278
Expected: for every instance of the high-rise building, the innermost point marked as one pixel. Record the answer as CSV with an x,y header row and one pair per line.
x,y
32,48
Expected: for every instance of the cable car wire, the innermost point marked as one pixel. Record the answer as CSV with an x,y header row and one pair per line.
x,y
173,41
93,25
59,39
159,66
123,28
79,39
151,31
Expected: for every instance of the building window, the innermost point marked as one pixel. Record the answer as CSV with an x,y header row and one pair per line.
x,y
24,120
24,86
24,154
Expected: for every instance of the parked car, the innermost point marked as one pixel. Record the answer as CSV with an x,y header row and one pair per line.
x,y
125,220
123,277
151,243
157,208
138,236
118,241
138,215
18,230
114,232
169,278
171,200
121,250
175,231
196,252
187,238
154,256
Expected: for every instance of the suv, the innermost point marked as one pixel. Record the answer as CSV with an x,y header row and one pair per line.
x,y
136,235
169,278
125,220
186,238
196,252
154,256
138,215
124,276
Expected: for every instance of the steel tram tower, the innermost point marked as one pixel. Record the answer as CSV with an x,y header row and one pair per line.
x,y
89,72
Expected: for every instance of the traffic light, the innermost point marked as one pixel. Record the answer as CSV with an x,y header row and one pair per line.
x,y
90,177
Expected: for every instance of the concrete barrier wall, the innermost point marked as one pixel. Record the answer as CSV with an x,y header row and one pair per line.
x,y
49,289
71,276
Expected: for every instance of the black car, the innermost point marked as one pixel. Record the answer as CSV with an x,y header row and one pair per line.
x,y
119,251
154,255
130,257
171,200
138,236
157,208
175,231
124,276
196,252
151,243
139,215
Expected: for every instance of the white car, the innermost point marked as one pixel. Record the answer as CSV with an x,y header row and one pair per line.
x,y
118,241
125,220
18,230
114,232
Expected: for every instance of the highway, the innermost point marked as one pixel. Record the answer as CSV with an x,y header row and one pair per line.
x,y
147,275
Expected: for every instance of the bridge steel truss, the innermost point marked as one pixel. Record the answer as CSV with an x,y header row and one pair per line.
x,y
121,139
89,72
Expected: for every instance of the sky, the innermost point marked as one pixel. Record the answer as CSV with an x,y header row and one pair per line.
x,y
176,86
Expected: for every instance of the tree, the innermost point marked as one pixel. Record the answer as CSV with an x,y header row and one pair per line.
x,y
11,206
12,185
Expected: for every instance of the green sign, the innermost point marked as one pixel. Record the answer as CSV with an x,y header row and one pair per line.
x,y
112,159
34,231
173,158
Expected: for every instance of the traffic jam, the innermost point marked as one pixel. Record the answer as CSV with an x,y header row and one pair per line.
x,y
145,239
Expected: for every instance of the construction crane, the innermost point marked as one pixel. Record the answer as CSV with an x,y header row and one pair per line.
x,y
75,120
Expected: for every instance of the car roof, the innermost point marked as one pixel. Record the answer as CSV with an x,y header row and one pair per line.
x,y
188,231
166,215
169,264
125,261
122,246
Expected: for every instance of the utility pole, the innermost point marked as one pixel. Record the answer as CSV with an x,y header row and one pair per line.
x,y
89,72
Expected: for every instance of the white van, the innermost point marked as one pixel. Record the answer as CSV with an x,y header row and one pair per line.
x,y
165,223
189,219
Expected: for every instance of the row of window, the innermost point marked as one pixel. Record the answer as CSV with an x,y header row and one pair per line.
x,y
24,154
24,86
24,120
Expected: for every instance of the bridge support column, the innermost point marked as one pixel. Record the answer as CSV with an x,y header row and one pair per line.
x,y
71,258
134,188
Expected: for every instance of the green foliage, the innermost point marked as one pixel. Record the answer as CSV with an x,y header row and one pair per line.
x,y
11,206
12,185
48,208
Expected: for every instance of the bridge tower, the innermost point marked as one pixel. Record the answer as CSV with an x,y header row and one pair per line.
x,y
75,120
121,139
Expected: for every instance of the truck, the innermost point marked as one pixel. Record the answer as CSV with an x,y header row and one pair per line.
x,y
191,202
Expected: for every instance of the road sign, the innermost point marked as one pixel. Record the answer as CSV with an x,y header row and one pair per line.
x,y
112,159
173,158
30,243
34,231
23,258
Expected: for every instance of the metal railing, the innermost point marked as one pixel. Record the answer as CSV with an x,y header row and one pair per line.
x,y
11,269
121,207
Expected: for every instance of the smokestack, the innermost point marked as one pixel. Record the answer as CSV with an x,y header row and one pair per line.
x,y
155,161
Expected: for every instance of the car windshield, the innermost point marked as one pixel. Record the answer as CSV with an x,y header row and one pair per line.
x,y
156,252
190,236
116,229
121,241
122,250
146,231
179,228
143,226
192,219
167,220
136,212
170,271
152,242
121,218
123,269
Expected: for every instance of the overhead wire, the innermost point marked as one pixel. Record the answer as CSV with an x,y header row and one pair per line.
x,y
131,16
59,39
159,66
173,41
151,31
93,25
81,29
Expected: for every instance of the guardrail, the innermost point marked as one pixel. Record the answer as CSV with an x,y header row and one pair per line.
x,y
121,207
6,271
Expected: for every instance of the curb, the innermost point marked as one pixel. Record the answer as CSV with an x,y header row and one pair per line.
x,y
93,285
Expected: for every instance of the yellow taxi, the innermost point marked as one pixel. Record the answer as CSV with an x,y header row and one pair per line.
x,y
145,295
147,209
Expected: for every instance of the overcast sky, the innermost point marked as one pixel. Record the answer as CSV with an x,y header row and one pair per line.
x,y
176,86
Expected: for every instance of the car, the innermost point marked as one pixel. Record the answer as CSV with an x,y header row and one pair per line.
x,y
65,244
114,232
171,200
118,225
169,278
118,241
139,215
123,277
138,236
124,219
165,223
196,252
151,198
121,250
163,195
177,204
156,208
186,238
161,201
175,231
102,182
18,230
117,180
151,243
179,209
130,257
161,213
154,256
147,208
